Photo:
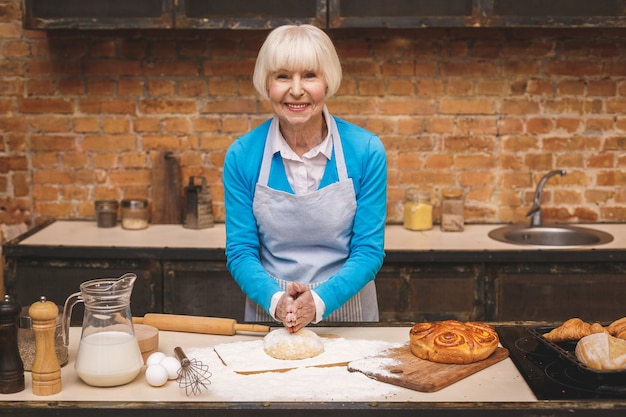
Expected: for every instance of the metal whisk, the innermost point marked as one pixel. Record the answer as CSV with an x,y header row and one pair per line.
x,y
192,375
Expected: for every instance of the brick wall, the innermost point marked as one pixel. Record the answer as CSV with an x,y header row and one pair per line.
x,y
83,114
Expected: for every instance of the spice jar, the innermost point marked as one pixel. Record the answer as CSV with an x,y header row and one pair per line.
x,y
418,211
106,213
135,214
26,339
452,207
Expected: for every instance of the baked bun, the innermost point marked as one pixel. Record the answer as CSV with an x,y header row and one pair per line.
x,y
452,341
602,351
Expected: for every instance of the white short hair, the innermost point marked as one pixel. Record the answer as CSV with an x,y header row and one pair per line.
x,y
297,48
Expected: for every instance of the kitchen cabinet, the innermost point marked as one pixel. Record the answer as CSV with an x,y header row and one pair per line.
x,y
557,292
252,14
55,278
413,292
477,13
248,14
168,14
201,288
110,14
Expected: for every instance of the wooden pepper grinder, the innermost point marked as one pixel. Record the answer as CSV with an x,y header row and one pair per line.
x,y
46,370
11,365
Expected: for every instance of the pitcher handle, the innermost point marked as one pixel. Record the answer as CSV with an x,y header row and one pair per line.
x,y
67,315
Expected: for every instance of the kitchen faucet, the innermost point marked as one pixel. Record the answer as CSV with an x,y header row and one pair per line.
x,y
535,212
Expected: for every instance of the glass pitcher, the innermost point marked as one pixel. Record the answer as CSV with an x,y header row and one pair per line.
x,y
108,354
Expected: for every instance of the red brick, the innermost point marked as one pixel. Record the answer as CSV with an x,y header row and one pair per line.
x,y
109,143
46,105
101,105
112,67
452,106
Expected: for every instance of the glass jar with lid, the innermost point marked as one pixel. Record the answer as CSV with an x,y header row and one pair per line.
x,y
452,210
418,210
106,213
135,214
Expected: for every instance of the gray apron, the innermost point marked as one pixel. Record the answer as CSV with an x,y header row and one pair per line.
x,y
306,238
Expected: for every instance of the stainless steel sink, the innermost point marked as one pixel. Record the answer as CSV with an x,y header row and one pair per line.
x,y
550,235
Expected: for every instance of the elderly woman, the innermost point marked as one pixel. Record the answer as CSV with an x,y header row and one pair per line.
x,y
305,193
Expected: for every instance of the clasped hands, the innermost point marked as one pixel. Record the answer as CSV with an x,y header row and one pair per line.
x,y
296,307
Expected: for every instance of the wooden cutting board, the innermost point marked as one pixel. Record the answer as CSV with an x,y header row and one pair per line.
x,y
398,366
166,189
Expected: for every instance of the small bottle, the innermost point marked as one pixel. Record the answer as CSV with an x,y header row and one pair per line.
x,y
135,214
452,211
418,211
106,213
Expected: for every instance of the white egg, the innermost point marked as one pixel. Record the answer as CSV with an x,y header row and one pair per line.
x,y
156,375
172,365
155,358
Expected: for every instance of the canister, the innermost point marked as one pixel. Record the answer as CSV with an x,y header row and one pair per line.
x,y
452,211
26,339
106,213
418,210
135,214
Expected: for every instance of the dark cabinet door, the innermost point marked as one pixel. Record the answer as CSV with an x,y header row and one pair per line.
x,y
424,292
558,13
27,279
201,288
402,13
249,14
557,292
109,14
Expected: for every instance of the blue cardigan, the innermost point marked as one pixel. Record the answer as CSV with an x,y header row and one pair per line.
x,y
367,166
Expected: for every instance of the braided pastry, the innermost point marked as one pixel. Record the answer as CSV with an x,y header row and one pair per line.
x,y
452,341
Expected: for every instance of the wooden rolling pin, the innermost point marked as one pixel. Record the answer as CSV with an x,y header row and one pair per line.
x,y
198,324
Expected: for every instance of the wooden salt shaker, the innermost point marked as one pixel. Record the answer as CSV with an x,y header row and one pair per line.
x,y
11,365
46,370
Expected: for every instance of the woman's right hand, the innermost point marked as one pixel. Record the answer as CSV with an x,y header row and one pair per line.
x,y
296,307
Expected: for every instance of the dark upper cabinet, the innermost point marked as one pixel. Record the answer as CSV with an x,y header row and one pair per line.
x,y
267,14
558,13
248,14
109,14
402,13
476,13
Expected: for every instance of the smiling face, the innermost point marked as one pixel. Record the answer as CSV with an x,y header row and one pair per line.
x,y
298,98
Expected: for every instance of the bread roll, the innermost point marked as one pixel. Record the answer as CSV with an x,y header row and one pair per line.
x,y
602,351
452,341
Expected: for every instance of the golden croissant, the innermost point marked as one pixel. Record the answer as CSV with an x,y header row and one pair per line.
x,y
572,330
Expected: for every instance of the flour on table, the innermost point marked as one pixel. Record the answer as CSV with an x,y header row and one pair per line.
x,y
300,382
249,356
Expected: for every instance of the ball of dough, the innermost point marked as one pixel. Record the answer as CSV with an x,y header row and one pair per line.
x,y
303,344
